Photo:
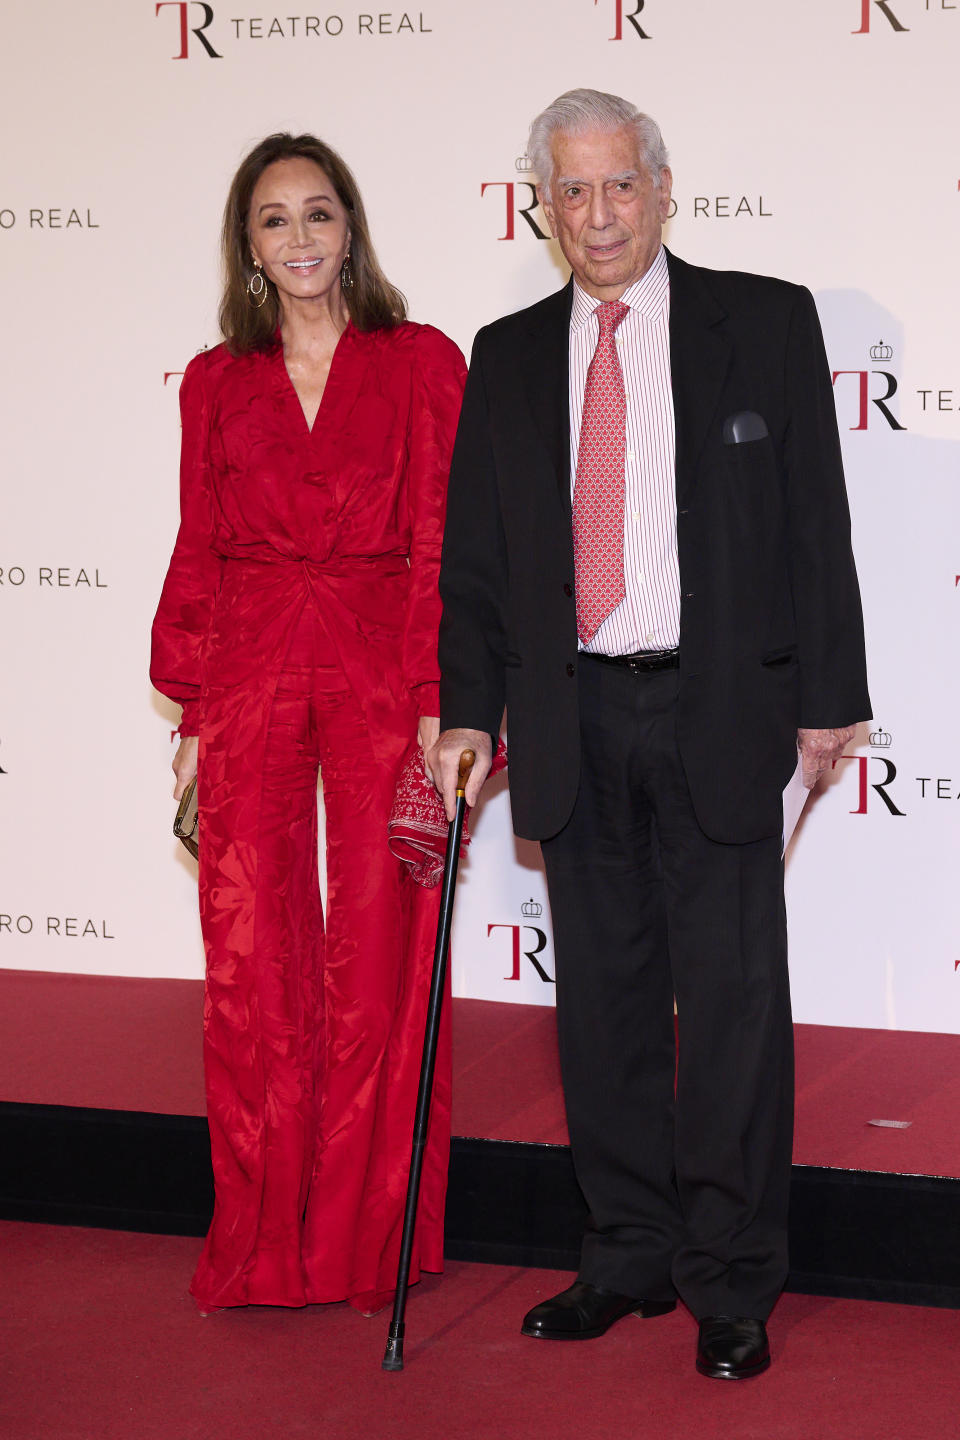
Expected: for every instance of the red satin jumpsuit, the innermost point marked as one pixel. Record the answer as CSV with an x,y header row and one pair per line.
x,y
298,629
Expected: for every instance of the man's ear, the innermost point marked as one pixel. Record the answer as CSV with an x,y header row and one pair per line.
x,y
666,190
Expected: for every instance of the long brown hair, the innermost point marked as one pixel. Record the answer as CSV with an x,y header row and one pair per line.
x,y
372,302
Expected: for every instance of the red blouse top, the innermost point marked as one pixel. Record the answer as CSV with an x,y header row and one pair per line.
x,y
363,491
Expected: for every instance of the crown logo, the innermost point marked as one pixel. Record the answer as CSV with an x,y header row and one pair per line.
x,y
880,739
530,910
881,351
523,163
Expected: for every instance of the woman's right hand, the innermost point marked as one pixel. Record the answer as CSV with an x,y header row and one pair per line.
x,y
185,764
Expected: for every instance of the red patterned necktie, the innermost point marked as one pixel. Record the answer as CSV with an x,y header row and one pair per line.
x,y
598,497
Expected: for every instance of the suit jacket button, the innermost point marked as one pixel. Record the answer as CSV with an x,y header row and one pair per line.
x,y
571,670
568,590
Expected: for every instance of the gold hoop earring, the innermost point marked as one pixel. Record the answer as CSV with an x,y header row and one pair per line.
x,y
257,286
346,274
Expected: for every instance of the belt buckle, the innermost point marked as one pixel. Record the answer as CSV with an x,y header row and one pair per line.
x,y
655,660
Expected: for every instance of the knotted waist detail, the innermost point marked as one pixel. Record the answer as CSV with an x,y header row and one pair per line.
x,y
350,566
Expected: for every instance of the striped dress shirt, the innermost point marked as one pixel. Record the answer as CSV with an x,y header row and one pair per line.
x,y
648,617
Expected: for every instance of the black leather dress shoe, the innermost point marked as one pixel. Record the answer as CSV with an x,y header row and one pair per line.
x,y
732,1348
585,1311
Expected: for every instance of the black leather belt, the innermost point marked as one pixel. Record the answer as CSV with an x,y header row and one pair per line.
x,y
641,660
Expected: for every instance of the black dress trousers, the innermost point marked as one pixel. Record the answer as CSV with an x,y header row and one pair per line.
x,y
683,1152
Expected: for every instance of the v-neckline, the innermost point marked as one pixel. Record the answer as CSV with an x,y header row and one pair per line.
x,y
292,389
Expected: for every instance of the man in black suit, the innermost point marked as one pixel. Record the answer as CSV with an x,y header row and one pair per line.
x,y
647,559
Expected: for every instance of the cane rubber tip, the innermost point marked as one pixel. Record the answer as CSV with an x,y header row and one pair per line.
x,y
393,1358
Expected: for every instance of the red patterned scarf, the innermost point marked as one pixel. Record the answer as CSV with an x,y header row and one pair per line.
x,y
417,828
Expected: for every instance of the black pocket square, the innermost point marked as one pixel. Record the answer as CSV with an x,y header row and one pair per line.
x,y
745,425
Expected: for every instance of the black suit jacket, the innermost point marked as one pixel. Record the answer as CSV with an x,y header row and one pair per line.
x,y
771,632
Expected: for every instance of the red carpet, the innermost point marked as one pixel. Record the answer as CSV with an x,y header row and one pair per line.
x,y
130,1044
102,1343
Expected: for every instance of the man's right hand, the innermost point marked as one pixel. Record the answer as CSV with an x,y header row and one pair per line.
x,y
443,763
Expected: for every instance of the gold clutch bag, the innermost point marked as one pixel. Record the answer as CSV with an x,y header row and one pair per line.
x,y
186,826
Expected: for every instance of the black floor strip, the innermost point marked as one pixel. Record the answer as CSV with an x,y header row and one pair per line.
x,y
853,1233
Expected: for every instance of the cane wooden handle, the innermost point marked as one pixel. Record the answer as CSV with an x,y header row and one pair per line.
x,y
467,759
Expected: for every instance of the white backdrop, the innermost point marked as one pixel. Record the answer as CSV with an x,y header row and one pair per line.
x,y
817,142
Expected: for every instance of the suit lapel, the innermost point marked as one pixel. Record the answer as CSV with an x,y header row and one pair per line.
x,y
700,356
545,364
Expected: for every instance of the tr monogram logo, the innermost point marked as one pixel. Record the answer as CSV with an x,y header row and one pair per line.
x,y
883,6
880,351
531,954
880,739
865,398
622,13
880,786
186,29
513,192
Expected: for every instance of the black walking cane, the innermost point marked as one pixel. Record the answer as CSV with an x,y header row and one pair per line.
x,y
393,1357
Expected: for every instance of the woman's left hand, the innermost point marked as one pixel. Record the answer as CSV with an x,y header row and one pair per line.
x,y
427,732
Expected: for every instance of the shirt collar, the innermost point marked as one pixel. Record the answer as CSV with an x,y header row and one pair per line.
x,y
648,295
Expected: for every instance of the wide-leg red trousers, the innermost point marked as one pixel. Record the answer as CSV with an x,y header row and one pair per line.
x,y
313,1034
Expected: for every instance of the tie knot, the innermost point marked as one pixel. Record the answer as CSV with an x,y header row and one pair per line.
x,y
609,314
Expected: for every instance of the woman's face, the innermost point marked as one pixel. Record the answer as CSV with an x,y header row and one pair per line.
x,y
298,231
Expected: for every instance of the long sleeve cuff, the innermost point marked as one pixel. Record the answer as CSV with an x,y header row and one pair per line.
x,y
427,697
190,719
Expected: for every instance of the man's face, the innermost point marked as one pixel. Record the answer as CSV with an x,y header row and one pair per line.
x,y
605,210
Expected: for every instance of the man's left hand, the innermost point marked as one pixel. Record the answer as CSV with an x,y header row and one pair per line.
x,y
820,749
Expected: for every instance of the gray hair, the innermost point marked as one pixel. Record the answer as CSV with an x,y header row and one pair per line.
x,y
578,111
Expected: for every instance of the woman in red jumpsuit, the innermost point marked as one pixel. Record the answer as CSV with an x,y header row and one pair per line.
x,y
298,629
